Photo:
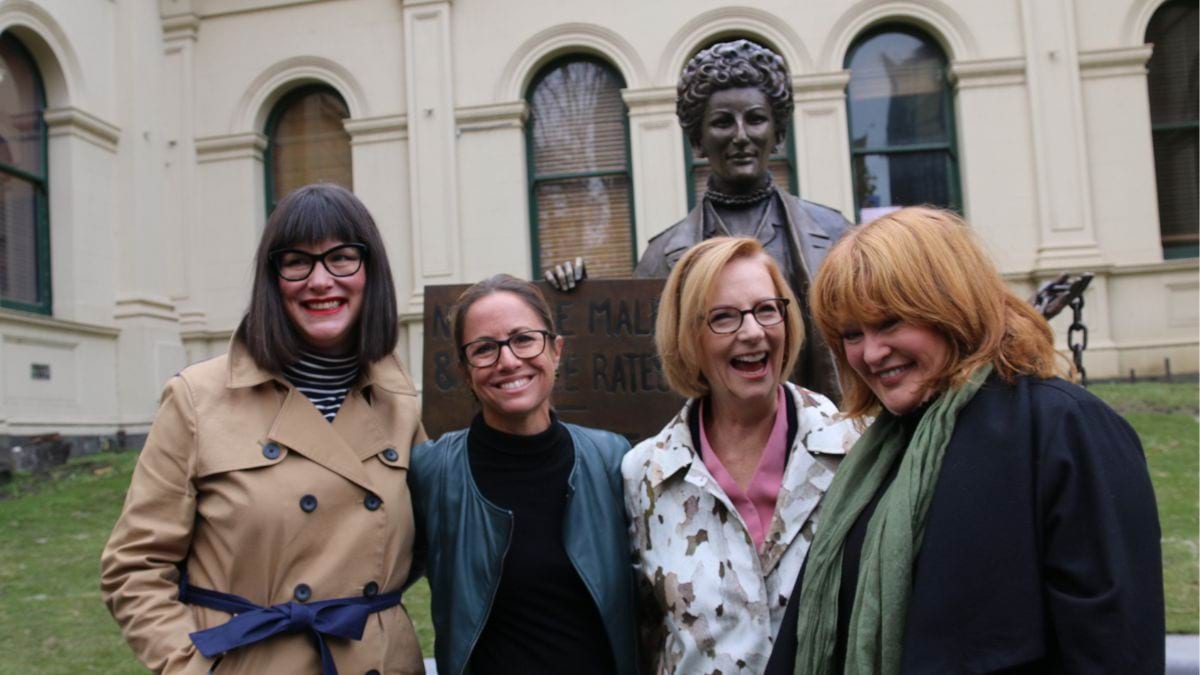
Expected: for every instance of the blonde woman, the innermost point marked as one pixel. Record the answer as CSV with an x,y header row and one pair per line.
x,y
723,501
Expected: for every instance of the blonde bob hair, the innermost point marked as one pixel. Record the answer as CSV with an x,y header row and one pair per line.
x,y
922,266
683,310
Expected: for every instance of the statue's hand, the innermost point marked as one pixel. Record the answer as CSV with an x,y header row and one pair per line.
x,y
564,276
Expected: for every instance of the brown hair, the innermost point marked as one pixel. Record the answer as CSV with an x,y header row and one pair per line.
x,y
500,283
310,215
684,303
923,266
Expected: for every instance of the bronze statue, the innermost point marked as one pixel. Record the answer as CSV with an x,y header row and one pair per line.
x,y
734,101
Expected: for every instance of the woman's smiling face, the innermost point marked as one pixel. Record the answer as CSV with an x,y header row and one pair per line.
x,y
747,364
896,360
323,308
513,392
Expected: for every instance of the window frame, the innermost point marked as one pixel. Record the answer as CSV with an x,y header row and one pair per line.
x,y
272,126
533,179
41,193
950,147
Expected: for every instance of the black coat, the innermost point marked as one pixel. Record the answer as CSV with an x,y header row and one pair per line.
x,y
1042,545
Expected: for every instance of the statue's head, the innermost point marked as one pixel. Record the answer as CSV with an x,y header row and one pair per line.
x,y
733,65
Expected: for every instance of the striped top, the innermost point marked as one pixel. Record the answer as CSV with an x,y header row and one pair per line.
x,y
323,379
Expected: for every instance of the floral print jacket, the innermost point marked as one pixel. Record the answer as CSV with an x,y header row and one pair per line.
x,y
711,602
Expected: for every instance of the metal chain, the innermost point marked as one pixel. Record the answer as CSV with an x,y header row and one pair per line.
x,y
1056,295
1077,337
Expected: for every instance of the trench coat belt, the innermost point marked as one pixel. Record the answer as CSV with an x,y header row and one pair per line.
x,y
339,617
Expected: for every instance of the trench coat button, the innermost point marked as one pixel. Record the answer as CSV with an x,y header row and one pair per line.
x,y
302,592
371,589
372,501
308,503
271,451
391,455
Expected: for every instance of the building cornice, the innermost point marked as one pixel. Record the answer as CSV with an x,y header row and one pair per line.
x,y
380,129
9,316
979,73
1117,62
222,148
510,115
820,86
82,124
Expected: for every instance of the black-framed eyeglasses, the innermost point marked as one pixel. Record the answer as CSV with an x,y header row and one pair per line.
x,y
768,312
342,260
484,352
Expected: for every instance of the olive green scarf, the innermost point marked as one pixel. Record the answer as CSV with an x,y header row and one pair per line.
x,y
892,541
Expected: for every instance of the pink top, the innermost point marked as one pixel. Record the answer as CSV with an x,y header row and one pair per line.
x,y
756,503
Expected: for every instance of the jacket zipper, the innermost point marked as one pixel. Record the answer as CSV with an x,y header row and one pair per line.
x,y
491,596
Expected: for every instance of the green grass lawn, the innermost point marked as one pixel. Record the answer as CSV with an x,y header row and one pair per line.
x,y
52,619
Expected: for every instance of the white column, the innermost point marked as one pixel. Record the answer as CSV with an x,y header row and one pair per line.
x,y
180,27
659,175
823,140
149,350
1121,148
493,187
379,155
231,211
83,242
432,167
1068,236
996,159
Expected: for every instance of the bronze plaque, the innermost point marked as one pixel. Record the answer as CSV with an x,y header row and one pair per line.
x,y
609,377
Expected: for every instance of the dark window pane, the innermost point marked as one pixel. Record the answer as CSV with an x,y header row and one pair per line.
x,y
577,126
308,142
21,104
1175,160
897,92
18,240
588,217
577,120
1173,113
1173,32
901,179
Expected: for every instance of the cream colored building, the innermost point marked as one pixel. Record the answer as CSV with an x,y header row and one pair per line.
x,y
157,118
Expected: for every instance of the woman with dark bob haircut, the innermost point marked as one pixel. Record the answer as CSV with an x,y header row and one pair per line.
x,y
268,526
519,516
993,517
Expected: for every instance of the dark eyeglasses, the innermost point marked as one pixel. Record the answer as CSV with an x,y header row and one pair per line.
x,y
484,352
726,320
340,261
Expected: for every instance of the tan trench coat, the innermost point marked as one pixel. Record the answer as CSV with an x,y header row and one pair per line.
x,y
211,491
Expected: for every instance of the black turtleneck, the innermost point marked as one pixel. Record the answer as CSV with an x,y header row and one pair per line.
x,y
543,620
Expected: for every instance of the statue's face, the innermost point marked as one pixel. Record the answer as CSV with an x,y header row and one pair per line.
x,y
737,136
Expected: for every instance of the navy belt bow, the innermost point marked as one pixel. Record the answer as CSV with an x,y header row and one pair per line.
x,y
339,617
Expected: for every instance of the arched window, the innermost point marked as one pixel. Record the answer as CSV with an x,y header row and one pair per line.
x,y
580,193
307,143
901,112
782,165
24,226
1173,95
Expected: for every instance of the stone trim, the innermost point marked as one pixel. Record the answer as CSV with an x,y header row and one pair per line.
x,y
491,116
72,121
1117,62
980,73
231,146
13,316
